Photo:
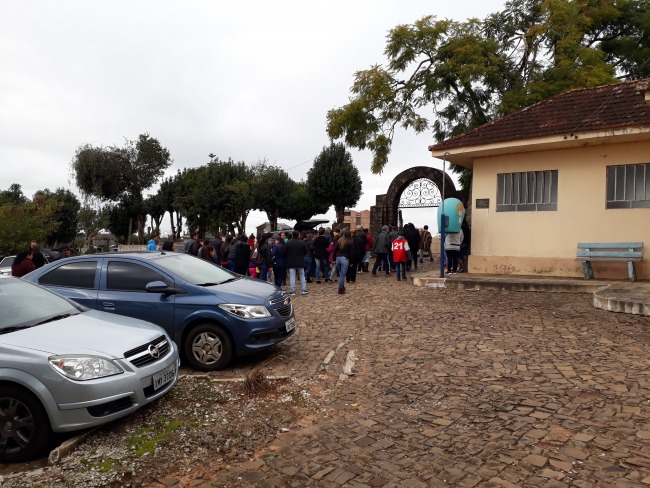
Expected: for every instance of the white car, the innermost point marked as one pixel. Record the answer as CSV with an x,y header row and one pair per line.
x,y
65,367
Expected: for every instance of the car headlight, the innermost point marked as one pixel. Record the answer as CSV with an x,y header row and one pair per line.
x,y
246,311
84,367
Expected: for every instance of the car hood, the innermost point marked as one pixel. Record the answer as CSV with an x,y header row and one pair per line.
x,y
247,291
92,332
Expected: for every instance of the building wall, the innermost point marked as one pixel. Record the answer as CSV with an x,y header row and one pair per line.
x,y
355,218
544,243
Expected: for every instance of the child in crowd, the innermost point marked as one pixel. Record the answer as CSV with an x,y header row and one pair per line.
x,y
400,248
252,265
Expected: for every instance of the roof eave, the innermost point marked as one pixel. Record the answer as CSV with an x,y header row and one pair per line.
x,y
464,156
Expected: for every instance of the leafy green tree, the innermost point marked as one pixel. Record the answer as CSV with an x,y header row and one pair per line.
x,y
334,179
449,77
91,222
155,207
216,196
271,189
13,195
118,221
66,215
301,204
24,221
121,174
170,190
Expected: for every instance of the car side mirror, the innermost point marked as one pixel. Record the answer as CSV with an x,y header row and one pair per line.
x,y
159,287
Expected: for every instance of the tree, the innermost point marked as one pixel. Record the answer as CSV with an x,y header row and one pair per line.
x,y
121,174
301,204
170,190
91,222
118,221
13,196
271,189
334,179
24,221
154,206
464,74
216,196
66,215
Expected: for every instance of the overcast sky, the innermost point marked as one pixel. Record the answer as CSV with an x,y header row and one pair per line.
x,y
243,80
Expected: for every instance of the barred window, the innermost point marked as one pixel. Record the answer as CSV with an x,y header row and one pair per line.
x,y
628,186
530,191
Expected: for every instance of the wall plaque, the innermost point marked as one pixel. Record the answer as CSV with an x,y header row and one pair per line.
x,y
482,203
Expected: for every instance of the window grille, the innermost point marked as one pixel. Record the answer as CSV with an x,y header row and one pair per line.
x,y
531,191
628,186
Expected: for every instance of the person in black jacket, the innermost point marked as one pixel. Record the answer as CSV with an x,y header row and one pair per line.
x,y
279,260
265,253
217,242
37,256
321,255
358,250
412,236
242,255
296,251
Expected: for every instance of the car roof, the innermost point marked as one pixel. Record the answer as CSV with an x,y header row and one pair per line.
x,y
138,254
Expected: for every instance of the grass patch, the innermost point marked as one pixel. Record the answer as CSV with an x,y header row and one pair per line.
x,y
147,439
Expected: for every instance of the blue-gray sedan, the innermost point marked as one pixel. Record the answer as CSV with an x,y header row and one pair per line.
x,y
211,313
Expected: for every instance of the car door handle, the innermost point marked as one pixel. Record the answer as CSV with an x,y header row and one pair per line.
x,y
108,305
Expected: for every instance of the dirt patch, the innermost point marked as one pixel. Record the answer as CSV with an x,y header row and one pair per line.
x,y
201,420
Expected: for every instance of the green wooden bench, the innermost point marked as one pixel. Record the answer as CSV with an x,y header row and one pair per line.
x,y
609,251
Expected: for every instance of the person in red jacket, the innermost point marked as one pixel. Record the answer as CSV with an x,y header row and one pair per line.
x,y
23,263
400,248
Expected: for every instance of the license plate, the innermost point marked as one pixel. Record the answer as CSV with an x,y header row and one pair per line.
x,y
290,324
164,377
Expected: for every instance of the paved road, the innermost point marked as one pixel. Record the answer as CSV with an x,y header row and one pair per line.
x,y
460,388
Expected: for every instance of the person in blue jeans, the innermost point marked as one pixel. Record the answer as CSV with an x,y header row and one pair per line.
x,y
296,251
343,252
321,256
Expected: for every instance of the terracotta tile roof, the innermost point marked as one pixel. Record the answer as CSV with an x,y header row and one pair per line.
x,y
581,110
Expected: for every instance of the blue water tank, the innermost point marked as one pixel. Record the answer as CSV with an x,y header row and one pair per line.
x,y
455,212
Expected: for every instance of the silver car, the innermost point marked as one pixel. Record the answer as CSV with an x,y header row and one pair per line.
x,y
64,367
5,265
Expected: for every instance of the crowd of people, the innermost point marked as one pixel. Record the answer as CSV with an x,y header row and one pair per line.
x,y
322,255
297,258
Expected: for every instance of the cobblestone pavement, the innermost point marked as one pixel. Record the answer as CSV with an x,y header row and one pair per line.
x,y
460,388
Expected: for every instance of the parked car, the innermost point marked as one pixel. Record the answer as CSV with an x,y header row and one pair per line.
x,y
211,313
64,367
5,265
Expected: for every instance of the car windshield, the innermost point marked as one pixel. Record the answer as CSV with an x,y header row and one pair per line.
x,y
24,305
7,262
195,270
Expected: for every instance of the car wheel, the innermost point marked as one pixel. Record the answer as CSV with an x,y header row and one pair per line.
x,y
208,348
25,429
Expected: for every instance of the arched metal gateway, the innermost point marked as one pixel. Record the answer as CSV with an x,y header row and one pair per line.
x,y
416,187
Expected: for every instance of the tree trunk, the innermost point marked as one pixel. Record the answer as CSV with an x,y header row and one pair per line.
x,y
179,229
340,215
273,220
244,217
140,219
171,221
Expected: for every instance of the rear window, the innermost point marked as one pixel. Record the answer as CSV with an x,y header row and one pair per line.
x,y
126,276
74,275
